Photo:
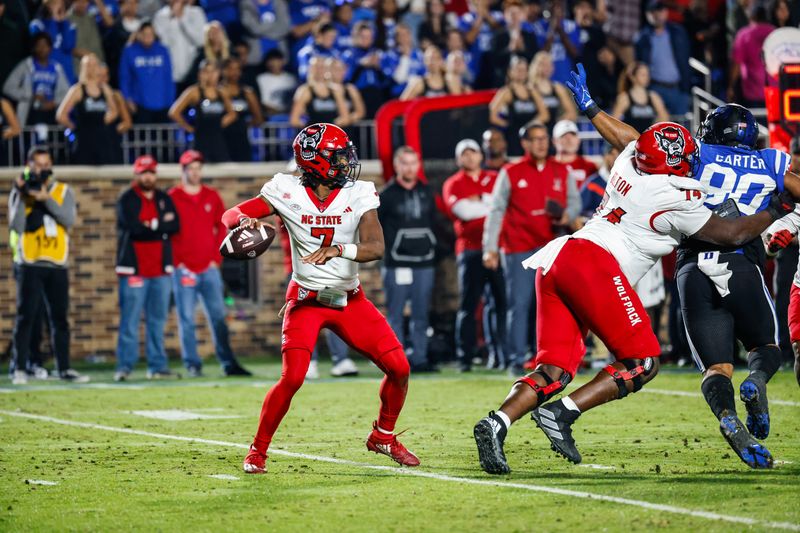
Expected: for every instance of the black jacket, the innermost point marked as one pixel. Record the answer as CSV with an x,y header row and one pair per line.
x,y
130,229
407,217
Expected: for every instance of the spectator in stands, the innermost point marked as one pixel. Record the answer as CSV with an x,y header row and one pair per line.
x,y
37,84
516,103
322,46
216,45
248,111
456,74
403,62
568,146
406,214
148,8
433,82
87,34
781,15
594,187
413,16
456,43
637,105
180,26
335,71
556,97
267,24
226,13
433,32
52,20
343,22
597,58
124,121
317,100
145,77
41,211
8,121
213,112
12,42
478,26
747,65
386,24
306,17
495,149
561,37
515,39
624,19
531,199
146,220
466,195
664,47
276,86
363,62
118,35
94,109
196,257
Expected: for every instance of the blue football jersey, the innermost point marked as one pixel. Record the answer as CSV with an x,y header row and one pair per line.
x,y
747,176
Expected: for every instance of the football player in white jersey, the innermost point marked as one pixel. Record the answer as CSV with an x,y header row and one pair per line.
x,y
333,225
584,282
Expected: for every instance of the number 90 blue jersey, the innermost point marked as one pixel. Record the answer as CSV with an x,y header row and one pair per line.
x,y
747,176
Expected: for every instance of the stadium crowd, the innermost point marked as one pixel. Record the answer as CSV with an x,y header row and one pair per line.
x,y
303,61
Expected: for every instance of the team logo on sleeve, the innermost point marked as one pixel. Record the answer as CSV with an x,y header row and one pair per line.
x,y
308,143
615,215
671,142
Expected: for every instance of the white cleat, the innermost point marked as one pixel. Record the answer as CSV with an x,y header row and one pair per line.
x,y
39,372
313,371
345,367
20,377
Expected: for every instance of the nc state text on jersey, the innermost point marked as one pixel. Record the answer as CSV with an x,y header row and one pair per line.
x,y
319,220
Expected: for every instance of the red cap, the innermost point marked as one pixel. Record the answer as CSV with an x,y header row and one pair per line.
x,y
145,163
190,156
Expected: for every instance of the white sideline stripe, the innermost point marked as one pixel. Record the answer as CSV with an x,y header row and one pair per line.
x,y
596,467
431,475
40,482
225,477
698,395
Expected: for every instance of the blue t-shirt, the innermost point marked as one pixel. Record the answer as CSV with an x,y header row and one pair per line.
x,y
562,62
747,176
303,11
662,60
64,35
483,42
44,79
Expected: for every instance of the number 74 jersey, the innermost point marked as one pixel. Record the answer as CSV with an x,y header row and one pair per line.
x,y
313,224
747,176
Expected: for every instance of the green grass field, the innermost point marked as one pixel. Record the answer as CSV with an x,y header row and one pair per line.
x,y
659,453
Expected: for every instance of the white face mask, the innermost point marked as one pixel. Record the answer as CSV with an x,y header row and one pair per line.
x,y
131,25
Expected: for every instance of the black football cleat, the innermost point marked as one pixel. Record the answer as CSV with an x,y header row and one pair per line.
x,y
236,370
749,450
489,436
555,421
753,393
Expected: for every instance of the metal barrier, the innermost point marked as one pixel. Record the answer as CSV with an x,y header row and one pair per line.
x,y
270,142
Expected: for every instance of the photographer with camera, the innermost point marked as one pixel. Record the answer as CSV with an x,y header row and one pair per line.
x,y
41,210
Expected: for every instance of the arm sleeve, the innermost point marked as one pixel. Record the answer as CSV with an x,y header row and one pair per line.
x,y
497,210
574,203
16,211
15,86
128,219
276,30
125,74
778,162
64,212
679,209
469,209
368,198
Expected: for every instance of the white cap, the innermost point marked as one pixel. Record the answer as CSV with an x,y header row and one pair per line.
x,y
563,127
467,144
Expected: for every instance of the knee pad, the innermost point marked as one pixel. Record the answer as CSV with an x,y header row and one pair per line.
x,y
548,391
635,371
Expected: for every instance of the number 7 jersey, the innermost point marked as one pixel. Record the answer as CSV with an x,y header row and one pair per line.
x,y
313,224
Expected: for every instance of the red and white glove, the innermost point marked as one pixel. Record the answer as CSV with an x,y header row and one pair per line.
x,y
779,240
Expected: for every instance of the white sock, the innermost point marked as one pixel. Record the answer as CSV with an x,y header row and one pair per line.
x,y
381,430
504,417
569,404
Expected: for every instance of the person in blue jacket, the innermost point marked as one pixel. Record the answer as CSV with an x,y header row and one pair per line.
x,y
52,20
145,77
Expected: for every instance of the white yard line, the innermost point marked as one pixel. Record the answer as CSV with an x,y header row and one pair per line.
x,y
224,477
431,475
41,482
687,394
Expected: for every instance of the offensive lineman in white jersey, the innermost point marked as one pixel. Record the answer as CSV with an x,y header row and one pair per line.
x,y
584,283
333,225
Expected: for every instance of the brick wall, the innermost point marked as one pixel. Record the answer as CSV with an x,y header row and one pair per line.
x,y
94,315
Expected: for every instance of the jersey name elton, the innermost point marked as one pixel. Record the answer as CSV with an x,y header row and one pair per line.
x,y
312,224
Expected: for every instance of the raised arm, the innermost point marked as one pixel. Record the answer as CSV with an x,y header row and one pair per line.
x,y
617,133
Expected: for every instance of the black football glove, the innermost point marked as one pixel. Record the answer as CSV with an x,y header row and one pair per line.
x,y
780,204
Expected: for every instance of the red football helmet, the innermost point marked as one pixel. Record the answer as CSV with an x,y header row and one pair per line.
x,y
666,148
325,154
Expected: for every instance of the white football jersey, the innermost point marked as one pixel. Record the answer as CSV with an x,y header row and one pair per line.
x,y
644,216
790,222
313,224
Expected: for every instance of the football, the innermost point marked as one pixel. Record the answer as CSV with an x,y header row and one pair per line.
x,y
247,243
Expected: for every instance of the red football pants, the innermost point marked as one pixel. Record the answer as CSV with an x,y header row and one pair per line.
x,y
584,290
794,314
361,326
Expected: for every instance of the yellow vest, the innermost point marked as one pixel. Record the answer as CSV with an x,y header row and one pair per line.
x,y
46,240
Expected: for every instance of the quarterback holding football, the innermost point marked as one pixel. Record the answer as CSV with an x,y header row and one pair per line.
x,y
333,224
